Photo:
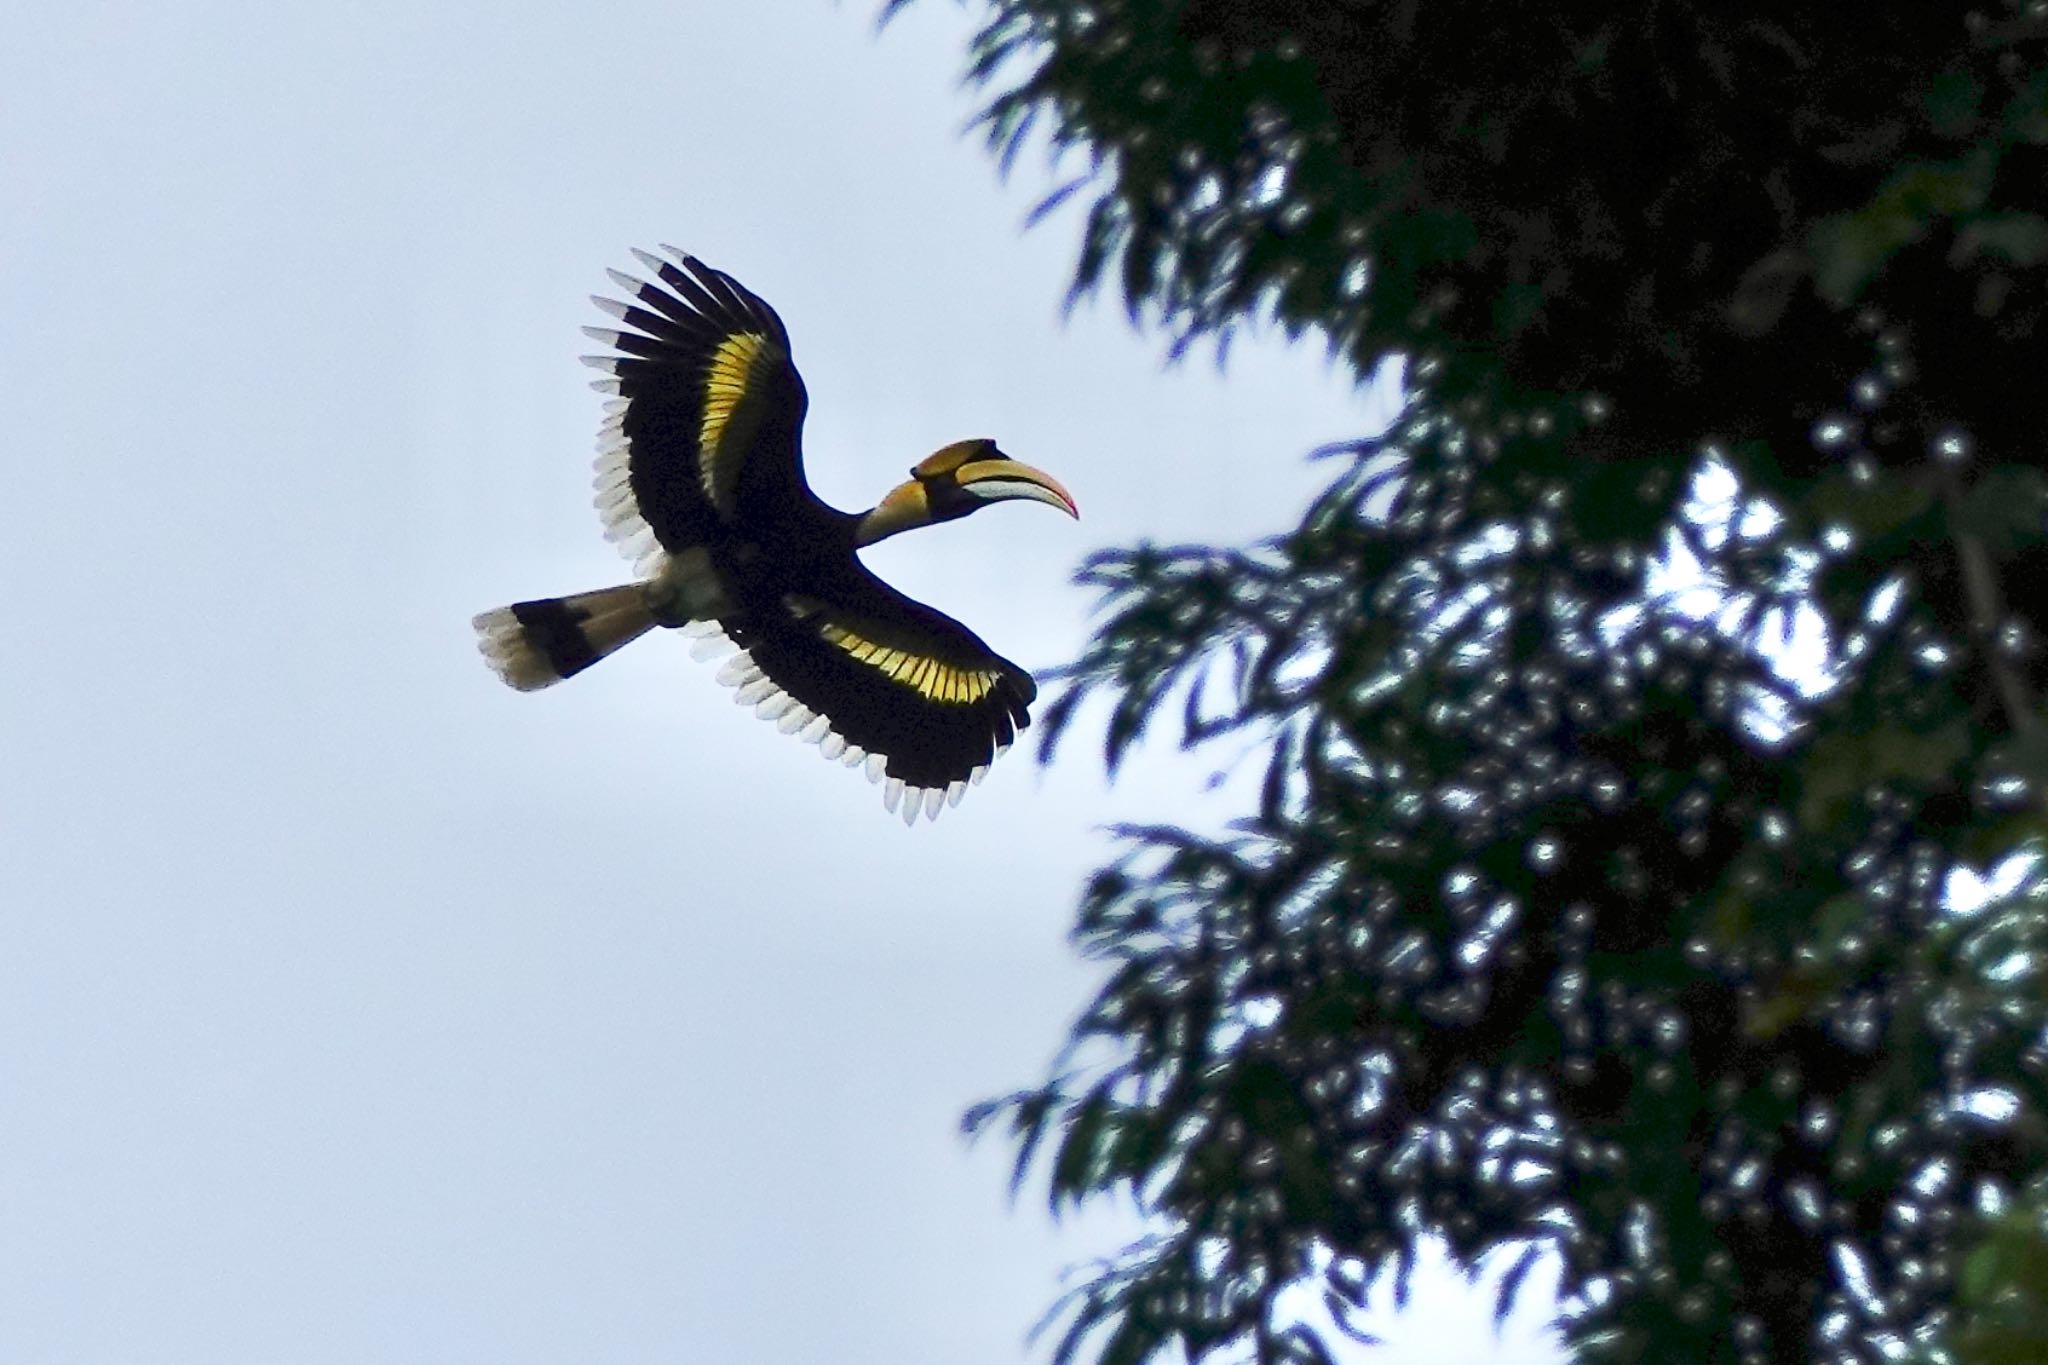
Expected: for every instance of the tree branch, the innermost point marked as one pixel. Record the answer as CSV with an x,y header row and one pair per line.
x,y
1987,610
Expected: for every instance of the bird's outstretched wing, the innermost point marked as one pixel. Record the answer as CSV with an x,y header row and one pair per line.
x,y
704,436
889,683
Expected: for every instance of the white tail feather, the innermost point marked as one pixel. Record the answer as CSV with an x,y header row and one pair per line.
x,y
534,644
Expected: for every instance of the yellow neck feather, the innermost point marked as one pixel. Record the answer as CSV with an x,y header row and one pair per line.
x,y
905,508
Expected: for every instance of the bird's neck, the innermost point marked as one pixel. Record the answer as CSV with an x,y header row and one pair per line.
x,y
904,509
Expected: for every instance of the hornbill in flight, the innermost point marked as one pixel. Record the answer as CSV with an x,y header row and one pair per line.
x,y
700,480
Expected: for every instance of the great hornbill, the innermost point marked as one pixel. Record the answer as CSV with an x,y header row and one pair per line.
x,y
700,480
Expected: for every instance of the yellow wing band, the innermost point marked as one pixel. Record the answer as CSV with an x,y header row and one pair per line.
x,y
930,678
731,414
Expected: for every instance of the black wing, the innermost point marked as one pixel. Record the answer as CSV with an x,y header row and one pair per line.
x,y
875,678
705,435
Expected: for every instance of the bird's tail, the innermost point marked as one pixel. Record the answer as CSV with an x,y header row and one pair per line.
x,y
534,644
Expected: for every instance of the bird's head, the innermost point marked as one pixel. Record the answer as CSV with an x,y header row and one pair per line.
x,y
955,480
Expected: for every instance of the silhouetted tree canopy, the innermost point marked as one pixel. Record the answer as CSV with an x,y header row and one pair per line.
x,y
1634,707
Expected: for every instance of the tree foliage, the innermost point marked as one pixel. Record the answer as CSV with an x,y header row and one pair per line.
x,y
1575,916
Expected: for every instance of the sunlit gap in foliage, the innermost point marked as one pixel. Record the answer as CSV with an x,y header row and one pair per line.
x,y
1687,589
1788,633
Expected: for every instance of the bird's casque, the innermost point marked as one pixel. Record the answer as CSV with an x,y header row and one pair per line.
x,y
700,481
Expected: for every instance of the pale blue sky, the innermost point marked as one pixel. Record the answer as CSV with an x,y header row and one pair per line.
x,y
355,1008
